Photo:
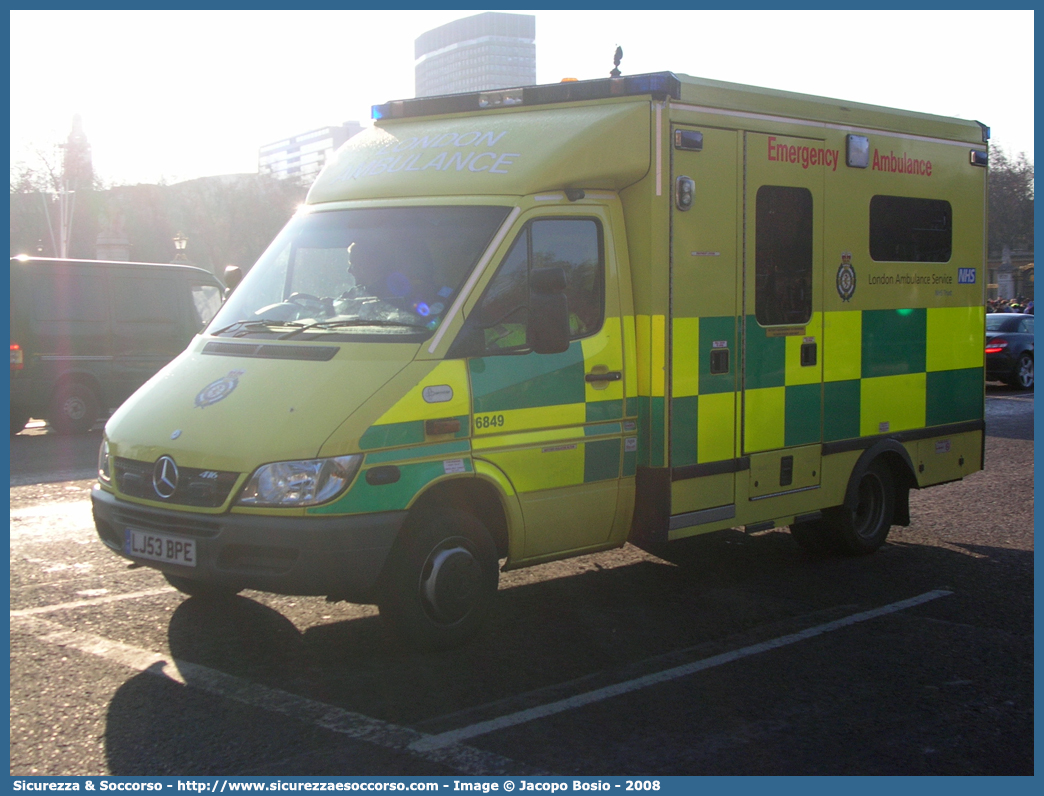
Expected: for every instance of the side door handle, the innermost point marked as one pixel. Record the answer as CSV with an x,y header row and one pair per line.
x,y
612,375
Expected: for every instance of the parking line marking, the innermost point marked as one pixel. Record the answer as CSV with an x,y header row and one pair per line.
x,y
452,737
463,759
49,609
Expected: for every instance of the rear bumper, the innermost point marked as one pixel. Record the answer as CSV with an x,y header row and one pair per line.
x,y
999,366
341,557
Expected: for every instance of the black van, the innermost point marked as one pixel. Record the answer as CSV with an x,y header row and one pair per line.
x,y
85,334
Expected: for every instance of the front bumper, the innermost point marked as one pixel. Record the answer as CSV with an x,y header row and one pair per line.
x,y
340,557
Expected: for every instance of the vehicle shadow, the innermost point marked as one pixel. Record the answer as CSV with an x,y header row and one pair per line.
x,y
547,637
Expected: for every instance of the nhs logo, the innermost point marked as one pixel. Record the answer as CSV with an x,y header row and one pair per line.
x,y
965,276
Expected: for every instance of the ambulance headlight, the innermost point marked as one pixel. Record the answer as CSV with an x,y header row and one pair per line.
x,y
104,473
301,483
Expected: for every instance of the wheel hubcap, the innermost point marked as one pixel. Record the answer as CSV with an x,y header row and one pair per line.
x,y
450,582
74,408
1026,372
871,503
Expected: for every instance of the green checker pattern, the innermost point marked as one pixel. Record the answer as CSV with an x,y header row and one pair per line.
x,y
685,410
894,343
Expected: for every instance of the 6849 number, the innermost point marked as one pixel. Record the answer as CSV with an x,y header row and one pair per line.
x,y
488,421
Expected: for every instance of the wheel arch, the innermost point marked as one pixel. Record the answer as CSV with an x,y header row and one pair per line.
x,y
475,496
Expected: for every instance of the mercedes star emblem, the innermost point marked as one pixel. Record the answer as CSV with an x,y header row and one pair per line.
x,y
165,477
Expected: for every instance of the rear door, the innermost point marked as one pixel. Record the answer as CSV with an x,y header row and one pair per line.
x,y
783,319
70,326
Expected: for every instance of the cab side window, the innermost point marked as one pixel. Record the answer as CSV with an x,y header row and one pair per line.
x,y
206,301
571,244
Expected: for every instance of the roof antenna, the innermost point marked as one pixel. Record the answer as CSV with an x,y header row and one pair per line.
x,y
616,62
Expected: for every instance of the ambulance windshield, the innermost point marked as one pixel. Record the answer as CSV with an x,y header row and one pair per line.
x,y
390,272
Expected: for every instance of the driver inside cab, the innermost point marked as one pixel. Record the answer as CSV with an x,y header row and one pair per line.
x,y
399,280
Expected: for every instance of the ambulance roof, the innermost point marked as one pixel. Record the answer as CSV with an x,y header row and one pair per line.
x,y
592,134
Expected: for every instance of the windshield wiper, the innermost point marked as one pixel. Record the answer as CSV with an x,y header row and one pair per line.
x,y
247,325
352,322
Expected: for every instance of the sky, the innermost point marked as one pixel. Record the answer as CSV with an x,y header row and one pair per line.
x,y
175,95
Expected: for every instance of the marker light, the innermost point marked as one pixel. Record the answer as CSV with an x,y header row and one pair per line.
x,y
17,357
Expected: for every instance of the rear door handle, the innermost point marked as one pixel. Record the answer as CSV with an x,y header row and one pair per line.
x,y
612,375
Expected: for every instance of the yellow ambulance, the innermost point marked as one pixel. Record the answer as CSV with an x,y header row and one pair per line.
x,y
519,325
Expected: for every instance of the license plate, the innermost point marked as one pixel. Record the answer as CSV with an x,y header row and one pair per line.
x,y
159,547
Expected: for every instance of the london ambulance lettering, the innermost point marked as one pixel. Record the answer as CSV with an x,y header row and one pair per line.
x,y
474,151
805,156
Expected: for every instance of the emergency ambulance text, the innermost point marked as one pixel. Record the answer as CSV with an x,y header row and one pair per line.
x,y
901,164
805,155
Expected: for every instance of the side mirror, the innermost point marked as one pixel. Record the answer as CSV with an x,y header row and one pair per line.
x,y
547,331
233,276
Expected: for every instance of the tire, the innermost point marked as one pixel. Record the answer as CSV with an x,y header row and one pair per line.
x,y
863,529
442,581
1022,376
201,589
18,420
74,409
815,537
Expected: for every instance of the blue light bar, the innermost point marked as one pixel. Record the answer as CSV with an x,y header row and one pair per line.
x,y
659,85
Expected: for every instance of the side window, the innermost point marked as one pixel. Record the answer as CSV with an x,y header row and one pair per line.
x,y
206,301
144,300
1026,325
572,244
783,255
64,295
904,229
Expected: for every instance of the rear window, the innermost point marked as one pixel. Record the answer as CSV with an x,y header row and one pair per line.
x,y
1001,323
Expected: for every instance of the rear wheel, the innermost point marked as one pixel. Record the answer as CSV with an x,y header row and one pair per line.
x,y
74,409
443,580
201,589
1022,377
864,528
815,537
18,420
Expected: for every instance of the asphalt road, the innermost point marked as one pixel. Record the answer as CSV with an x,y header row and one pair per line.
x,y
739,655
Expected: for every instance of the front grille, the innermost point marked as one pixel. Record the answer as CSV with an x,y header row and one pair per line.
x,y
162,521
202,488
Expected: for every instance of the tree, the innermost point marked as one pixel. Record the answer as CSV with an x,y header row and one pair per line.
x,y
1010,203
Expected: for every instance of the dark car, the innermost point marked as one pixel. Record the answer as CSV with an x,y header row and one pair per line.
x,y
85,334
1009,349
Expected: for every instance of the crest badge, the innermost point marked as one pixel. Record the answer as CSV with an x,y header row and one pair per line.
x,y
846,277
219,390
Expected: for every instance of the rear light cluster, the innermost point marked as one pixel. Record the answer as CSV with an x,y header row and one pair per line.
x,y
17,358
996,345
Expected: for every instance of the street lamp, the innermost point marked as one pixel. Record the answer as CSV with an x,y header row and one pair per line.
x,y
180,242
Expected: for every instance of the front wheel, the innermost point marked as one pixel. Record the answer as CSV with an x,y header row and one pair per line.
x,y
443,580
